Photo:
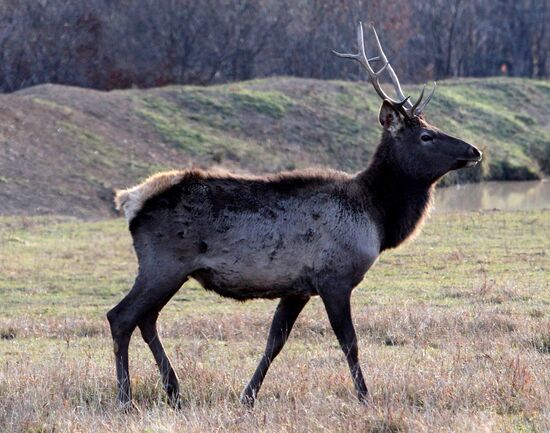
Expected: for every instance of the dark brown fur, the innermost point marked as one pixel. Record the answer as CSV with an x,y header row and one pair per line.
x,y
227,191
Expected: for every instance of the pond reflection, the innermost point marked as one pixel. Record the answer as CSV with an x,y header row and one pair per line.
x,y
494,195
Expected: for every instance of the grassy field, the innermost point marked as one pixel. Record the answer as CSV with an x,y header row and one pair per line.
x,y
64,149
454,333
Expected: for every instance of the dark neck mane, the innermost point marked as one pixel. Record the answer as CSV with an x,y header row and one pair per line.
x,y
397,201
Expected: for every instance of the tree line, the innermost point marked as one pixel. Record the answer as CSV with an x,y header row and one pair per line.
x,y
108,44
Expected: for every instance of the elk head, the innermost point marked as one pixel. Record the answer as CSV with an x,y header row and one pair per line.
x,y
417,148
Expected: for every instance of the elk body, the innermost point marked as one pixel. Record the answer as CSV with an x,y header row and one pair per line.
x,y
290,236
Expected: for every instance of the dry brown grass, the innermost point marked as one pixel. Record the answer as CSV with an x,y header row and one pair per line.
x,y
429,369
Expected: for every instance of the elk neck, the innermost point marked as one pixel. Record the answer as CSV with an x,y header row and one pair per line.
x,y
397,202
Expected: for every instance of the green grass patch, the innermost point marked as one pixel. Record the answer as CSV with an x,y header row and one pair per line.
x,y
197,132
172,126
271,103
53,105
92,147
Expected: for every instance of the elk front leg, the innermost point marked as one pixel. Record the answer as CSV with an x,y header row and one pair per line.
x,y
285,315
338,307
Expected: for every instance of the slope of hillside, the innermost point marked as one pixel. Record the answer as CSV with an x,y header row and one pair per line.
x,y
64,149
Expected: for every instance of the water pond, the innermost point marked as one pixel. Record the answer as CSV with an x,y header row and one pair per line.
x,y
494,195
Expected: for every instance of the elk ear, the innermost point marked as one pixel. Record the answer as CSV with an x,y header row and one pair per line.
x,y
389,118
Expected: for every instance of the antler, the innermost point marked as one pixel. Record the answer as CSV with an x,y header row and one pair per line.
x,y
404,104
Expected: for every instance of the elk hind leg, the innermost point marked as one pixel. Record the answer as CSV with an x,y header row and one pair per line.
x,y
147,294
148,328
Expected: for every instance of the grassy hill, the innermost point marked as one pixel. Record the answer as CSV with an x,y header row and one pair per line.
x,y
64,149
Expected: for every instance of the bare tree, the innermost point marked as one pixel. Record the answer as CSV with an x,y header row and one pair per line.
x,y
106,44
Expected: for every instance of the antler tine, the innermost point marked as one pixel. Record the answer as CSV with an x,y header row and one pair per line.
x,y
362,58
415,106
352,56
401,107
421,107
391,72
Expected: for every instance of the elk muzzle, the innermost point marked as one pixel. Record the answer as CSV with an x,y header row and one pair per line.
x,y
472,157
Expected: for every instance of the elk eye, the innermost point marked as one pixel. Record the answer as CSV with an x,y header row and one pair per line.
x,y
426,137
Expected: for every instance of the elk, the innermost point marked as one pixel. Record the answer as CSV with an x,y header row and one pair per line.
x,y
293,235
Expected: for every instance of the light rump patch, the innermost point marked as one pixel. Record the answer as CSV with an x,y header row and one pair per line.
x,y
131,200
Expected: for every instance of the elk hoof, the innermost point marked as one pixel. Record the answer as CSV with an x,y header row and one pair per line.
x,y
175,402
128,407
364,399
248,400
